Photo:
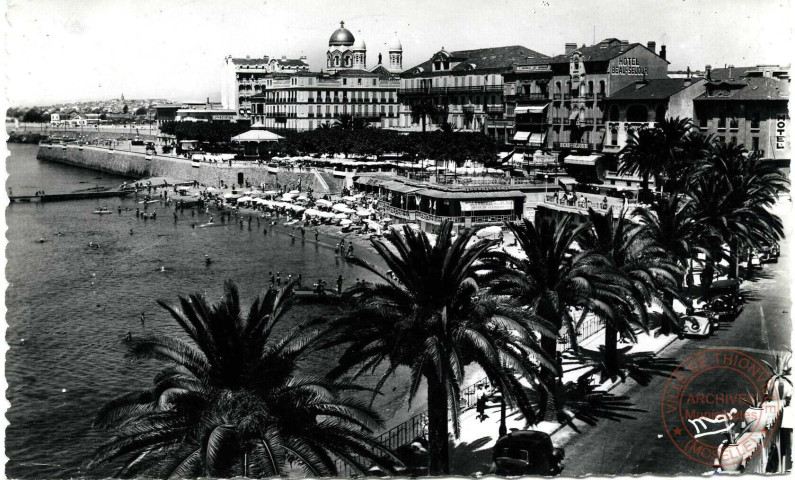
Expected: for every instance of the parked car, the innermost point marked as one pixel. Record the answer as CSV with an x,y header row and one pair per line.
x,y
699,323
769,253
526,452
726,301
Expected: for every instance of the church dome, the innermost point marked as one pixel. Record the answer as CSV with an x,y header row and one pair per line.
x,y
341,36
359,43
394,44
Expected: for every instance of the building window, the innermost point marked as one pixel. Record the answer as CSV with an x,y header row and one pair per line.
x,y
344,81
359,81
755,121
722,139
722,124
754,144
374,82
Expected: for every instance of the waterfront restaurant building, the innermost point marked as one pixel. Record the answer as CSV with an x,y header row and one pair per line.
x,y
463,88
748,106
304,100
428,205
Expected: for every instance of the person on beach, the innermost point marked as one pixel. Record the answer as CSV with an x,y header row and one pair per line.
x,y
480,404
316,234
337,249
278,279
207,260
175,217
303,232
131,231
119,209
128,337
143,320
339,284
271,277
298,281
350,250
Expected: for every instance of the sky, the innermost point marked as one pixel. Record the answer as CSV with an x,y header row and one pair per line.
x,y
72,50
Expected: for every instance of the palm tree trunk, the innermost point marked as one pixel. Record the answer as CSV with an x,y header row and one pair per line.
x,y
423,122
645,187
550,379
438,427
706,279
665,322
611,347
734,258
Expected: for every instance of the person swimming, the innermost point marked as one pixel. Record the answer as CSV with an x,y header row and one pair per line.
x,y
162,269
131,231
41,239
59,234
207,259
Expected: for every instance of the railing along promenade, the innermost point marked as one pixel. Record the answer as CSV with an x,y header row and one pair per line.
x,y
581,202
416,426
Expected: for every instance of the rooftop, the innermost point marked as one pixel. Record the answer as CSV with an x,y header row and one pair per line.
x,y
749,88
652,89
483,58
603,51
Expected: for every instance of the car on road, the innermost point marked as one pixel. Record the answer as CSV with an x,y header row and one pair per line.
x,y
526,452
726,301
769,253
699,323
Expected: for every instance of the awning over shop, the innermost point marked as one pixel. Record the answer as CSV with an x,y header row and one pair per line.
x,y
537,139
521,136
564,181
581,159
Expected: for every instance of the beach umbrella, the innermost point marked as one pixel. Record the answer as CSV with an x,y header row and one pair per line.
x,y
269,192
294,192
340,215
363,213
228,195
489,232
244,199
323,203
287,197
183,188
302,198
345,222
211,189
340,207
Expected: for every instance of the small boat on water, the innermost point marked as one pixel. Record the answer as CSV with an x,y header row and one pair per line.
x,y
102,212
148,201
291,222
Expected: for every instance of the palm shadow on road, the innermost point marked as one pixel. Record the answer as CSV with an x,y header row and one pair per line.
x,y
470,457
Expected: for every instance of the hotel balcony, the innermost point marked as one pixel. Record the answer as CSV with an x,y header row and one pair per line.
x,y
528,97
413,215
495,109
450,90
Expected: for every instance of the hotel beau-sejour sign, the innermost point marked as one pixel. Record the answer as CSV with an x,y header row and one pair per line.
x,y
629,66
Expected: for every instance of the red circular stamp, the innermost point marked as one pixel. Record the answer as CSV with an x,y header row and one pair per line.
x,y
718,408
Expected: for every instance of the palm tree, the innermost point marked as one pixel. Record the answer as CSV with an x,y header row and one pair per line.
x,y
429,315
669,223
230,401
422,109
344,122
641,156
647,270
731,201
550,278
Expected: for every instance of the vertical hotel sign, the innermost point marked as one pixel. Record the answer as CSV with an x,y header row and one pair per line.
x,y
781,131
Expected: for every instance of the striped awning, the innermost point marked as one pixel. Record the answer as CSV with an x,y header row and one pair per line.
x,y
530,109
537,139
521,136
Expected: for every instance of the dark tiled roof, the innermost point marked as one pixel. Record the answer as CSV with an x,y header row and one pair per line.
x,y
250,61
485,58
653,89
603,51
754,88
293,63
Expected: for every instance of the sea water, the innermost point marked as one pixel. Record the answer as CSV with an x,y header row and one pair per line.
x,y
70,306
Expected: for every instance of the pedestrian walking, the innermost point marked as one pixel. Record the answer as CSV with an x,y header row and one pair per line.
x,y
143,320
339,284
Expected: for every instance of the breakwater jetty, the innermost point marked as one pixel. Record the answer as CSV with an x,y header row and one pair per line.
x,y
137,165
62,197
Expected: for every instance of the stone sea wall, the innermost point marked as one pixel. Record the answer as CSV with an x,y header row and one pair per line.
x,y
135,165
111,161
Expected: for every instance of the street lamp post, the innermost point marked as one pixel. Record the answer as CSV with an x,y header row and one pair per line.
x,y
546,185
